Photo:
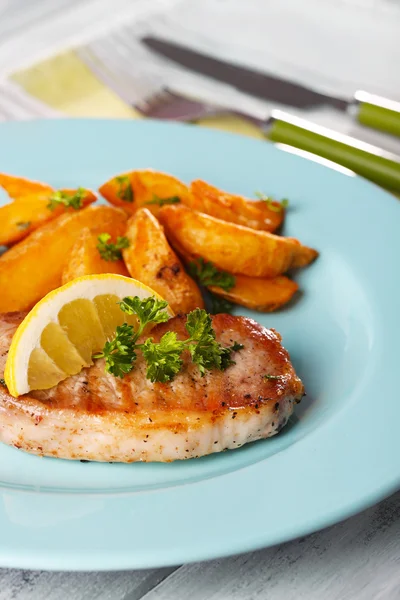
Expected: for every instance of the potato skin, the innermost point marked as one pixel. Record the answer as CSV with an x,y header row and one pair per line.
x,y
151,260
85,259
264,295
34,266
19,218
144,186
255,214
17,187
257,293
232,247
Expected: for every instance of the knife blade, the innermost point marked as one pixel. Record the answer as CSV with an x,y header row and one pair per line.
x,y
370,110
255,83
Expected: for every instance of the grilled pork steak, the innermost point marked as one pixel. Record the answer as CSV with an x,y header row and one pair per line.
x,y
96,416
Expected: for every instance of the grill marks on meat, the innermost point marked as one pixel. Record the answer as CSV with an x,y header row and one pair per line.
x,y
95,416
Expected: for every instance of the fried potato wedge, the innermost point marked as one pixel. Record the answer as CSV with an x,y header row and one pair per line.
x,y
16,187
151,260
257,293
24,215
257,214
265,295
147,188
33,267
232,247
85,259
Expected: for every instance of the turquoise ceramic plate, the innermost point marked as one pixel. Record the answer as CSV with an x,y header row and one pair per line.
x,y
339,454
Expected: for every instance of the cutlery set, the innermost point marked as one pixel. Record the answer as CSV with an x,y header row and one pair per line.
x,y
374,163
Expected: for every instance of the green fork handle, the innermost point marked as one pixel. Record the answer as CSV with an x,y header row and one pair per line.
x,y
376,112
369,161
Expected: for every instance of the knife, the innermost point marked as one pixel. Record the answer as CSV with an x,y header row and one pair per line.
x,y
369,161
371,110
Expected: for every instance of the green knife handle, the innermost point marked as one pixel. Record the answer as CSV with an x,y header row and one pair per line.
x,y
369,161
377,112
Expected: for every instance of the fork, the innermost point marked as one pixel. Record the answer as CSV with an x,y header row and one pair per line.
x,y
145,93
164,104
114,58
138,77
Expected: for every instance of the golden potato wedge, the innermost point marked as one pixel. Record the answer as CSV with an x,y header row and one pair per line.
x,y
147,189
16,187
257,293
265,295
85,259
33,267
151,260
24,215
257,214
232,247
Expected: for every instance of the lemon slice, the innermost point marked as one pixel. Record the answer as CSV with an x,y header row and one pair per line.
x,y
62,332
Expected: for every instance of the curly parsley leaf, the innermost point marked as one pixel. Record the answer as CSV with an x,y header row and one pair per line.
x,y
199,324
124,188
226,359
119,353
236,347
69,199
220,305
149,310
207,353
22,225
164,358
208,275
108,251
162,201
274,205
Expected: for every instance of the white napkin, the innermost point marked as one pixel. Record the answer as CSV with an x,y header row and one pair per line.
x,y
334,46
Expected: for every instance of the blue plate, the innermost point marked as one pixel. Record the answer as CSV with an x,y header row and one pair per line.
x,y
339,454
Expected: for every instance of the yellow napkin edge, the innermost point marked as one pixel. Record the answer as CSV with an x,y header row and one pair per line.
x,y
65,83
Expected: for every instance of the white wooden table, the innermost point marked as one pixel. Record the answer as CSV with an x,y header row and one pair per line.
x,y
358,559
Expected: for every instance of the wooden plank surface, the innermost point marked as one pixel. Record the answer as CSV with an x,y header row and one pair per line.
x,y
42,585
358,559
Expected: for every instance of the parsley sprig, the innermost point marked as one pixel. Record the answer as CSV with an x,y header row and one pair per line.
x,y
162,201
164,358
124,188
207,274
108,251
207,353
22,225
274,205
2,381
120,352
68,199
220,305
149,310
